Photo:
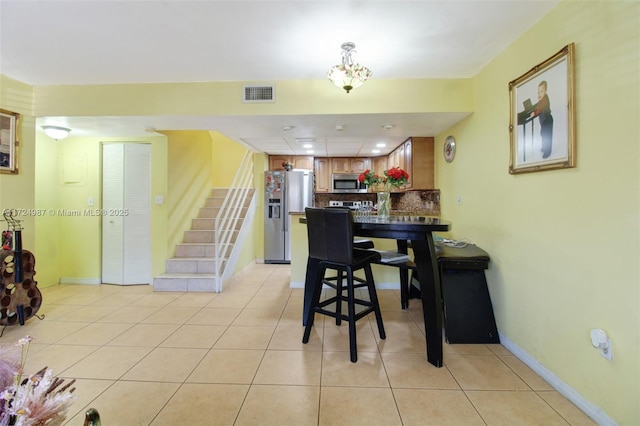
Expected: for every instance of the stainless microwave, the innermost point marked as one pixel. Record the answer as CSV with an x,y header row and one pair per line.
x,y
346,183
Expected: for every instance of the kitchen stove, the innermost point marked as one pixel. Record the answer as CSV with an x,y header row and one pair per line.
x,y
353,205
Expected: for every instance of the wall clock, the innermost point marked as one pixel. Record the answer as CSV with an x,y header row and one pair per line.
x,y
449,149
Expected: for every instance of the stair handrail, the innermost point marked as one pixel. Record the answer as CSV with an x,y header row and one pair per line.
x,y
229,213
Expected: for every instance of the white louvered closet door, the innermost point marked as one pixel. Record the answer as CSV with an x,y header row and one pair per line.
x,y
126,213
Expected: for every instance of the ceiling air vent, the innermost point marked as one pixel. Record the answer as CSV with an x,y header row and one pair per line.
x,y
258,93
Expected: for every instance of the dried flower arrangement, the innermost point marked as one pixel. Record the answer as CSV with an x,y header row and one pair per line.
x,y
39,399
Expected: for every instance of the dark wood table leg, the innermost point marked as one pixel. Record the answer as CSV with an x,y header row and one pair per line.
x,y
427,265
313,269
404,276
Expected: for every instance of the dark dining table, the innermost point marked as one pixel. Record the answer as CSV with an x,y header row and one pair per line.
x,y
418,230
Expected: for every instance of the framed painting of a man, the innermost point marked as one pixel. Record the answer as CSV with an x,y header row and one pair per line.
x,y
9,141
542,118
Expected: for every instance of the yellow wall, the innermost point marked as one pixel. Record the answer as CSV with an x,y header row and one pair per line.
x,y
261,164
49,244
227,154
68,172
16,190
190,179
564,244
378,96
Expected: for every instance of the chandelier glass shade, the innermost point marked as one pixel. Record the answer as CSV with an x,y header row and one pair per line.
x,y
348,75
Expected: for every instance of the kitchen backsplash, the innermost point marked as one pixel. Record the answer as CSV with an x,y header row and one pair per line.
x,y
426,202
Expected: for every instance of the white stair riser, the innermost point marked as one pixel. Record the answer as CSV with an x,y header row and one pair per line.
x,y
212,212
192,284
209,224
203,236
217,202
192,266
199,250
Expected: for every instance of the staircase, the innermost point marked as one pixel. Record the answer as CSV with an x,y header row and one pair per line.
x,y
194,266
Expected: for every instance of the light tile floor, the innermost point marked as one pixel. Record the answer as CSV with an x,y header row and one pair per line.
x,y
236,358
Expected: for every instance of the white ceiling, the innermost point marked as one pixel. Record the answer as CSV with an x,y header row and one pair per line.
x,y
55,42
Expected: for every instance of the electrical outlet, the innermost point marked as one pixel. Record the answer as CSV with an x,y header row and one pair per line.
x,y
601,342
606,351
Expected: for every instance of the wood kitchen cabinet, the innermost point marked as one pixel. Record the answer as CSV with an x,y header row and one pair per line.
x,y
418,162
415,156
302,162
298,161
349,164
392,159
379,164
322,174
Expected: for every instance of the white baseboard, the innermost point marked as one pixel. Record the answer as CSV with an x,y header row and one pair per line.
x,y
74,280
590,409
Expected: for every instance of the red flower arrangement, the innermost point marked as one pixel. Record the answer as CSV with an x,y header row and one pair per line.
x,y
394,176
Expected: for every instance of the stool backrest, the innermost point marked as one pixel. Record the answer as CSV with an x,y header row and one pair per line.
x,y
330,233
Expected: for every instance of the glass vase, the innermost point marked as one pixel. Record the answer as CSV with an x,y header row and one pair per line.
x,y
384,205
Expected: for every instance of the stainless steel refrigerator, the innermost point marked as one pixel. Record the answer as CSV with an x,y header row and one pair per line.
x,y
285,192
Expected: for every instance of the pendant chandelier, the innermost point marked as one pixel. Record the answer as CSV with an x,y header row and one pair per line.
x,y
348,75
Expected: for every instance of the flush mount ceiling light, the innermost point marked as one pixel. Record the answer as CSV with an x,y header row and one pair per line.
x,y
388,126
287,128
348,74
56,132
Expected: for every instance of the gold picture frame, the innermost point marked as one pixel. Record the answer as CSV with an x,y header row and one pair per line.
x,y
542,119
9,122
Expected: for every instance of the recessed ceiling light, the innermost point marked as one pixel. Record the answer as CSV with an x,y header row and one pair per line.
x,y
388,126
307,145
381,145
310,151
287,128
339,127
375,151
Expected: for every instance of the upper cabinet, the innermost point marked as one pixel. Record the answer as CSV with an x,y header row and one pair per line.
x,y
297,161
349,164
415,156
322,174
379,164
275,161
302,162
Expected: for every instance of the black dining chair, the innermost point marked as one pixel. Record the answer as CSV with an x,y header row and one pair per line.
x,y
330,233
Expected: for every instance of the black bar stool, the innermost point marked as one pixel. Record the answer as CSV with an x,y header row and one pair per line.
x,y
330,233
